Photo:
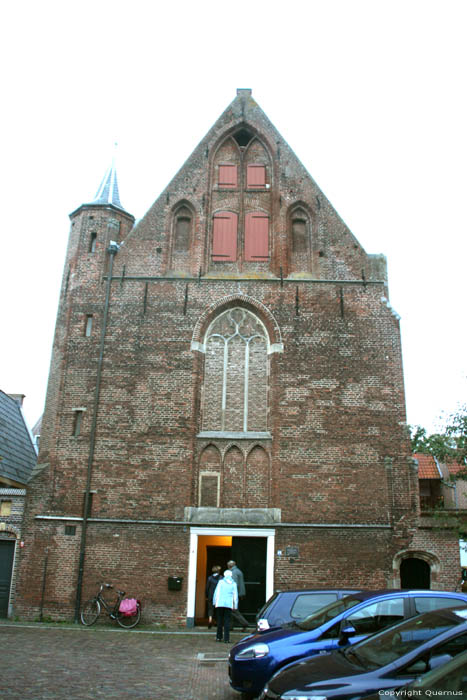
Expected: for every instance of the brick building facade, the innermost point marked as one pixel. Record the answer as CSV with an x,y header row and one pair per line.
x,y
226,382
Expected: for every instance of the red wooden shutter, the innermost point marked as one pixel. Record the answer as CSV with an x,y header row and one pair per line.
x,y
228,176
224,236
256,176
256,236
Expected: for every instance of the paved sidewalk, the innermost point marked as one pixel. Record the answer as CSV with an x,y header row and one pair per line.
x,y
58,662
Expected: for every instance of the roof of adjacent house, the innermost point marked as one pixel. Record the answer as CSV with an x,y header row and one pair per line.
x,y
427,467
455,467
17,453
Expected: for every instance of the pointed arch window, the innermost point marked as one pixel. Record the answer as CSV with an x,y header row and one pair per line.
x,y
299,240
182,229
235,396
299,233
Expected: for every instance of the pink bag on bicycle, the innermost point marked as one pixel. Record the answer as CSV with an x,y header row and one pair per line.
x,y
128,607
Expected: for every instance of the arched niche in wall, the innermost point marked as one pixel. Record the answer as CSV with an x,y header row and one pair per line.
x,y
257,478
299,239
209,477
233,479
182,228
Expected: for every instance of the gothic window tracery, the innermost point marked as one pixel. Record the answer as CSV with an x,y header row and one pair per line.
x,y
236,373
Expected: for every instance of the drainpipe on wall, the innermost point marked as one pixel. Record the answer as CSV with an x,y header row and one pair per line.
x,y
112,251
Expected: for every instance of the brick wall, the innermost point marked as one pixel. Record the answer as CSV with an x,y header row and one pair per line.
x,y
322,382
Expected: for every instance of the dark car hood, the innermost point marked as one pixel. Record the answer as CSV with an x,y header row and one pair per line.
x,y
321,669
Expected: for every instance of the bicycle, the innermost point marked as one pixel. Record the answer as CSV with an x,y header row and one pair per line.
x,y
92,609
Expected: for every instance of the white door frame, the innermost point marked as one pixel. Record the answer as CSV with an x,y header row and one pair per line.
x,y
196,532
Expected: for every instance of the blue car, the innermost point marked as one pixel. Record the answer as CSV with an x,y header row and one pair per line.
x,y
385,662
296,604
257,657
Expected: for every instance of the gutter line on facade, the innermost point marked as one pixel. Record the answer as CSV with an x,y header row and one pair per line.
x,y
189,523
142,278
112,250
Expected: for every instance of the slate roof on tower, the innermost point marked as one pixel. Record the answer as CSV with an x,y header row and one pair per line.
x,y
108,189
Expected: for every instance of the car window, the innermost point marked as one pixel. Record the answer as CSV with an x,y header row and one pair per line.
x,y
267,604
329,612
377,616
453,646
389,645
428,603
308,603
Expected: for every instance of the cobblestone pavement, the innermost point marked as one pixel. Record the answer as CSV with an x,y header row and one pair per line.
x,y
57,662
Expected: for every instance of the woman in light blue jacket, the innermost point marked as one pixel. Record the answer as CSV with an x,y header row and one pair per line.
x,y
225,600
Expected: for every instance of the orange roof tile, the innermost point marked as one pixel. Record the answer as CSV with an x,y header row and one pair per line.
x,y
427,467
455,467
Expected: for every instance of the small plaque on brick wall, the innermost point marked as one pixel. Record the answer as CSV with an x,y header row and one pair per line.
x,y
291,552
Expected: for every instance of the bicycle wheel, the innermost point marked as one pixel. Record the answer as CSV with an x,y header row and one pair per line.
x,y
90,611
129,621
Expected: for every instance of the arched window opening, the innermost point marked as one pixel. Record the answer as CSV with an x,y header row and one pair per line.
x,y
243,137
183,224
236,374
299,235
299,240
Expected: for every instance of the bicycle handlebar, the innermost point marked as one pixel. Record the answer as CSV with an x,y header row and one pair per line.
x,y
109,585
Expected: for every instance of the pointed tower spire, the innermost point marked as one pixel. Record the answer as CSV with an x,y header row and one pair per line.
x,y
108,189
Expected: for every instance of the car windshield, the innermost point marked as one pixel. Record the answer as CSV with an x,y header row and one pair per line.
x,y
259,614
327,613
388,646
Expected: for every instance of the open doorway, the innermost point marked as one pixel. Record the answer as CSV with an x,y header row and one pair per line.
x,y
253,550
415,573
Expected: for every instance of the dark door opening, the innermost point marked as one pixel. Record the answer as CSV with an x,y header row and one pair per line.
x,y
250,555
415,573
7,551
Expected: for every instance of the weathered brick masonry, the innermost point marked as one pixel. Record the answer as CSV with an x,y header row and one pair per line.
x,y
232,374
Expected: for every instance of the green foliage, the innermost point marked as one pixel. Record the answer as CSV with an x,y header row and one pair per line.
x,y
451,445
450,521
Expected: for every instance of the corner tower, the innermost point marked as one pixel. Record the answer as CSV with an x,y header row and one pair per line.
x,y
93,226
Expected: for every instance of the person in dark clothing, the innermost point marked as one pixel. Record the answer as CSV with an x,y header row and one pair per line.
x,y
237,575
211,585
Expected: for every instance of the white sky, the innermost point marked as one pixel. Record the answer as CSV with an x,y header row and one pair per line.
x,y
371,95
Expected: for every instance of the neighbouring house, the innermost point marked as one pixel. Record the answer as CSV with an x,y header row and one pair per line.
x,y
226,383
442,494
17,461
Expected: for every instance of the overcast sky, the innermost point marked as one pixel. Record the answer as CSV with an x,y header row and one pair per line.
x,y
371,96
